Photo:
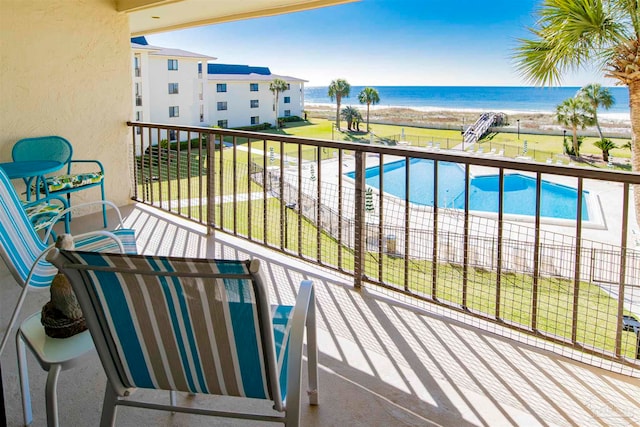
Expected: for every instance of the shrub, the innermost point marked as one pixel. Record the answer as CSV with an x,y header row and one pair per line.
x,y
195,143
568,146
262,126
290,119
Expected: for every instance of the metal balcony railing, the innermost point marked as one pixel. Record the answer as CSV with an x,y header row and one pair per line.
x,y
388,217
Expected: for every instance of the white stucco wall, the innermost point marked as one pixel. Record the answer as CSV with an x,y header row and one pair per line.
x,y
296,93
65,69
238,97
187,97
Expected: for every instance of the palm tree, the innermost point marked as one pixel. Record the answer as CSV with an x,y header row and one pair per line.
x,y
277,86
368,96
575,113
606,145
597,96
357,118
572,33
338,89
350,115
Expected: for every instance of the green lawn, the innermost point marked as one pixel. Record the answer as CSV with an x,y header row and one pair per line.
x,y
553,143
544,145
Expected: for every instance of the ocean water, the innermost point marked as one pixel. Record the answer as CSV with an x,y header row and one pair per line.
x,y
476,98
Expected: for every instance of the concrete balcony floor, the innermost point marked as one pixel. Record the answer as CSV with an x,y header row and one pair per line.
x,y
382,362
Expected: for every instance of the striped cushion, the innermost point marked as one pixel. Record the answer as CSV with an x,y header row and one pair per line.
x,y
194,334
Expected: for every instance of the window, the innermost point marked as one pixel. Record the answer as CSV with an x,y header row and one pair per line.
x,y
221,87
287,99
138,119
173,88
138,95
288,86
287,113
255,120
201,113
172,64
253,87
254,103
172,135
174,111
136,65
222,105
223,123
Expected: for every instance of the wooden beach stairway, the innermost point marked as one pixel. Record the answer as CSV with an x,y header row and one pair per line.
x,y
478,129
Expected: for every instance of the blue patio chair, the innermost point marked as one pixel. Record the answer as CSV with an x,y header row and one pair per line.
x,y
23,251
196,326
59,149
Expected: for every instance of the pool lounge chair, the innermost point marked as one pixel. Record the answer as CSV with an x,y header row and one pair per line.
x,y
23,251
196,326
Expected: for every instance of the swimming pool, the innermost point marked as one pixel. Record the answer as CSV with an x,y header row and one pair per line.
x,y
557,201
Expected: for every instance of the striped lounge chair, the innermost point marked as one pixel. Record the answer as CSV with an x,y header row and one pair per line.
x,y
196,326
23,251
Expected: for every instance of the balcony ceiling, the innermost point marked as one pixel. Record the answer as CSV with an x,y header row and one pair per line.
x,y
153,16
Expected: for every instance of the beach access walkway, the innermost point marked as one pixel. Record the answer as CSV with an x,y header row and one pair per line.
x,y
478,129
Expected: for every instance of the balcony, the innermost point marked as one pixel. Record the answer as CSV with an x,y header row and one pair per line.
x,y
382,361
388,355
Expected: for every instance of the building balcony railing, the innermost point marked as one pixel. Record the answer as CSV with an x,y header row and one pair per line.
x,y
484,237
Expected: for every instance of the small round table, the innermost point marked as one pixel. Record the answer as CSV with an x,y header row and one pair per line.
x,y
30,170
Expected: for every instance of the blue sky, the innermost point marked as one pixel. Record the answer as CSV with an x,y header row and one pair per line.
x,y
380,42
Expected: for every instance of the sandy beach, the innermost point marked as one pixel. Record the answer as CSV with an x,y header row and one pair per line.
x,y
529,121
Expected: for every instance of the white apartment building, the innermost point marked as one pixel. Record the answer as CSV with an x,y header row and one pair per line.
x,y
170,87
239,95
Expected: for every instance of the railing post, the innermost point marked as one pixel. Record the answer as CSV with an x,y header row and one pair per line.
x,y
623,271
211,188
358,247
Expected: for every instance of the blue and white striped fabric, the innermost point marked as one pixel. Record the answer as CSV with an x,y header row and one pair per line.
x,y
195,329
21,245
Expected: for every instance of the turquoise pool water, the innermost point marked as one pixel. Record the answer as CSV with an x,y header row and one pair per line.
x,y
557,201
